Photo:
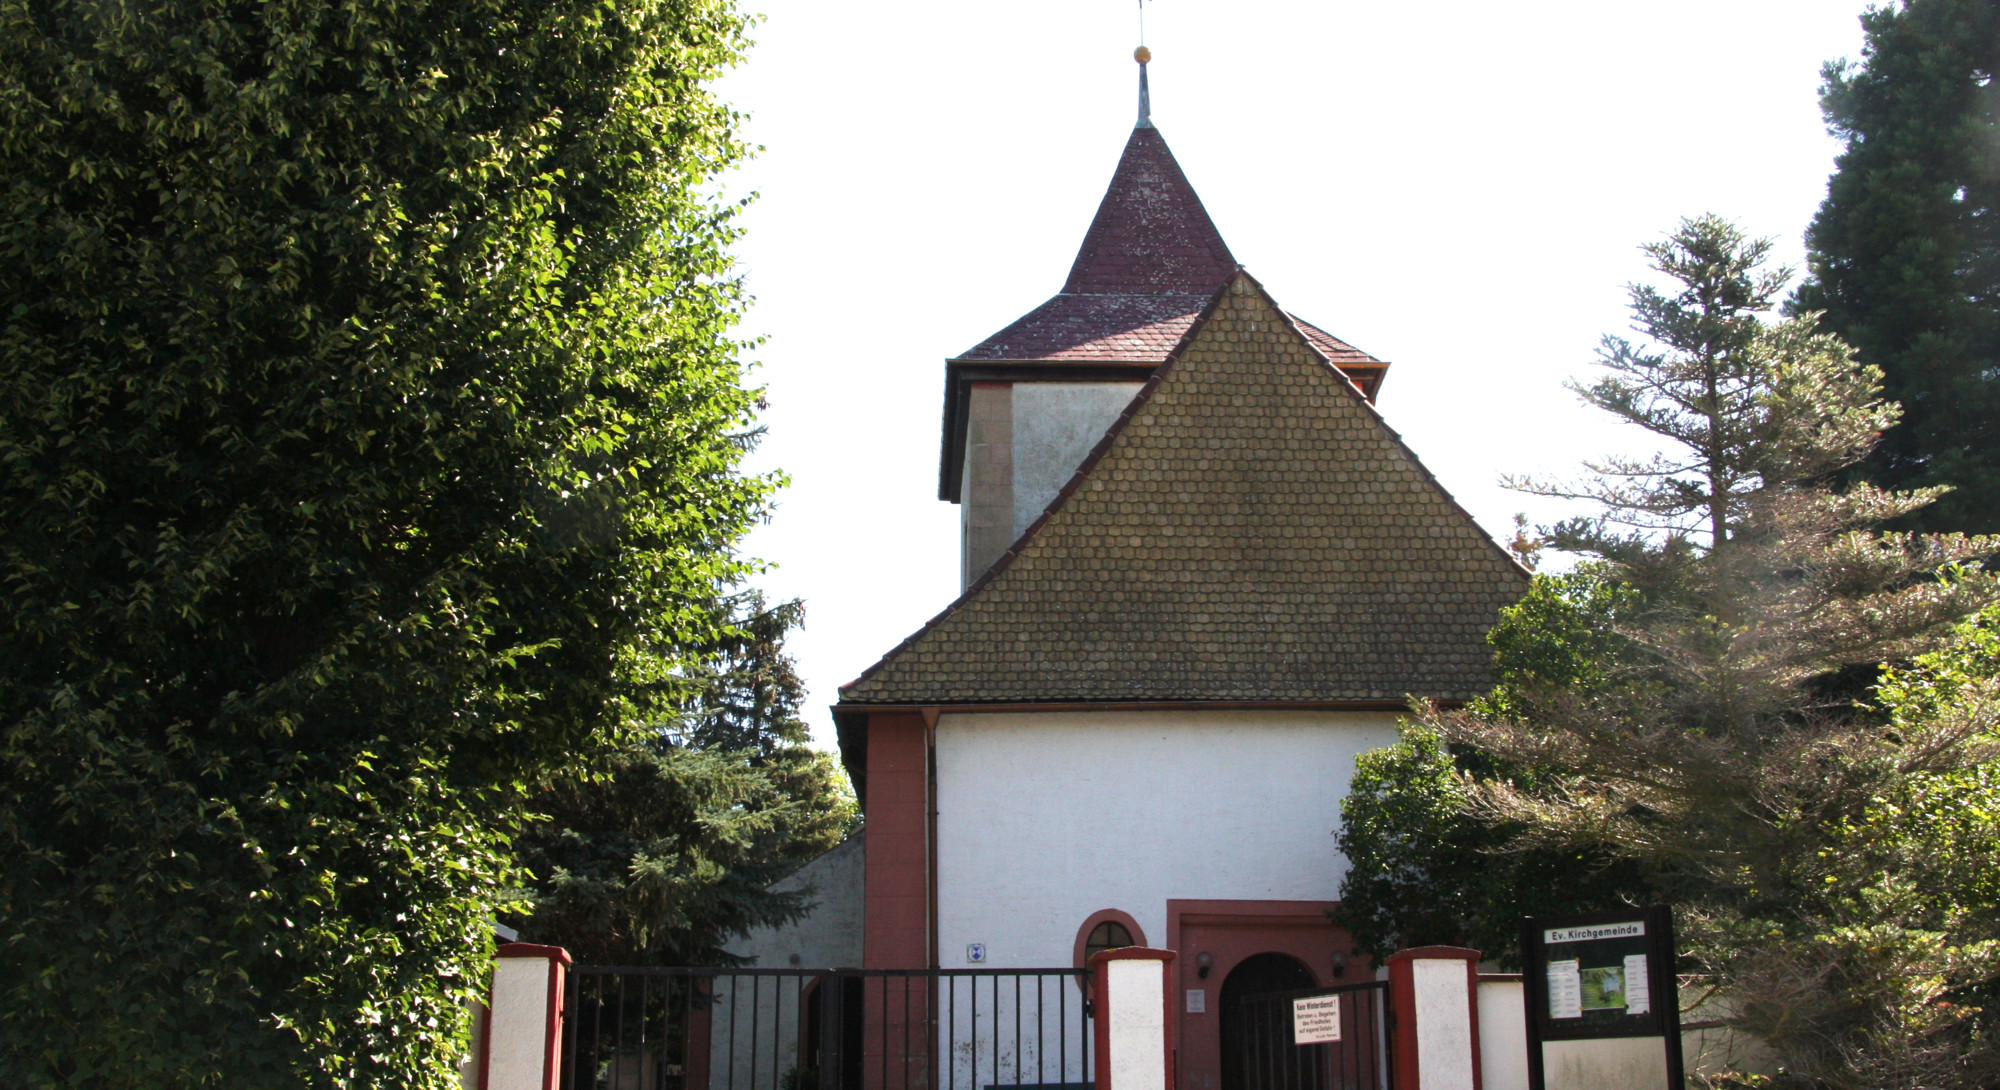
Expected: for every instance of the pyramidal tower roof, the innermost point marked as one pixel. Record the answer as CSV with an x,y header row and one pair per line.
x,y
1151,236
1149,263
1249,530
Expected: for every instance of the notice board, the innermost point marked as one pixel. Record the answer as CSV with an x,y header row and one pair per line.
x,y
1605,976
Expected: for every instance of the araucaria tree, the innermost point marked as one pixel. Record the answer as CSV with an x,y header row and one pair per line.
x,y
1717,741
369,441
1905,251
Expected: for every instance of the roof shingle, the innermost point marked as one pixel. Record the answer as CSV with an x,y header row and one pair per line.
x,y
1149,263
1151,235
1250,530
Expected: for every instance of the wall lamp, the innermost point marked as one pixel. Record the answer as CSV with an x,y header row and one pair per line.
x,y
1202,963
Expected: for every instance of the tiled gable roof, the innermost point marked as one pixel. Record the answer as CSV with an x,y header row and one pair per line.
x,y
1250,530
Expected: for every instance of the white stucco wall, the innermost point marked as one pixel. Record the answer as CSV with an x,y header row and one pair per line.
x,y
518,1042
763,1037
1055,425
830,936
1444,1024
1046,817
1138,1024
1503,1036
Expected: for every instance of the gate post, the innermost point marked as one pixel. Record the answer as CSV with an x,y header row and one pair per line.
x,y
1135,1043
521,1040
1434,994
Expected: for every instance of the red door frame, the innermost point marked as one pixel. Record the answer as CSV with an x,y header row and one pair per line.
x,y
1231,931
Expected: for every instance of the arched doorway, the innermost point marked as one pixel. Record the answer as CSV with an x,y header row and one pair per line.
x,y
1245,1063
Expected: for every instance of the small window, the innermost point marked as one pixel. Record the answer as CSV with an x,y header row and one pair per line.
x,y
1109,935
1108,929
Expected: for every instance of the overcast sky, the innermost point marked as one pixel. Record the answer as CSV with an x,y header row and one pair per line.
x,y
1457,187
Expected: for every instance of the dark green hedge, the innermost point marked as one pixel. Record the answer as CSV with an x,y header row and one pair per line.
x,y
369,443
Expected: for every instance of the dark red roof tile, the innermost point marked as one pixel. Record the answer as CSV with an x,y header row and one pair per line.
x,y
1151,234
1127,328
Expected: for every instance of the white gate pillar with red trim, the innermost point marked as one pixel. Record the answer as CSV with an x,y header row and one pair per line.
x,y
1135,1042
522,1035
1434,992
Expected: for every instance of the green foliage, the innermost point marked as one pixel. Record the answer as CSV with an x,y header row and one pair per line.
x,y
1718,746
1421,869
1905,250
1421,872
1564,633
1887,955
1679,709
369,432
666,848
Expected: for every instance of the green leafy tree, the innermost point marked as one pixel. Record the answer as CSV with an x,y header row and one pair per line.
x,y
1718,746
1905,250
667,847
369,442
1421,870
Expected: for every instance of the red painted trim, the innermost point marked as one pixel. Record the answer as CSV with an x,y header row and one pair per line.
x,y
485,1035
530,950
1403,993
1104,915
1403,1036
552,1041
1437,953
852,708
1100,982
1100,1002
930,839
1198,911
559,960
1134,953
896,903
1472,1020
1231,930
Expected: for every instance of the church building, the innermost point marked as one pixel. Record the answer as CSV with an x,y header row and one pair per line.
x,y
1201,574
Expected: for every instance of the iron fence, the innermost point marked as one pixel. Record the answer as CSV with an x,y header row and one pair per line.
x,y
841,1029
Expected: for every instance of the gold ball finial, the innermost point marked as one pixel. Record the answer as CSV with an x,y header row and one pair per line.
x,y
1142,54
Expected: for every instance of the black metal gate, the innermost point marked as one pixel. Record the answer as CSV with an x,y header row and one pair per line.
x,y
1268,1058
834,1029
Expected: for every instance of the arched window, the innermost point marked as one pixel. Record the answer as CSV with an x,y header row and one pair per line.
x,y
1108,929
1109,935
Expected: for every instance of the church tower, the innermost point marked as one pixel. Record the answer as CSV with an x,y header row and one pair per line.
x,y
1024,406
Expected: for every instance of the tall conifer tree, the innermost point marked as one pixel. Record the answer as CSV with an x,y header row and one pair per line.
x,y
1905,250
665,851
1716,740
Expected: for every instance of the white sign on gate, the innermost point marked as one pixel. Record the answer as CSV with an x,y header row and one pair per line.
x,y
1316,1020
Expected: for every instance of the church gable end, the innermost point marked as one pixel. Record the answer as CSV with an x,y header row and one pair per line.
x,y
1250,531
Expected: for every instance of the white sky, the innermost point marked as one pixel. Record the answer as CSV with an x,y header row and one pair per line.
x,y
1458,187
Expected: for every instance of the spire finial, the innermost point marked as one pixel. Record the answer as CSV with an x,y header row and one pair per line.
x,y
1142,55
